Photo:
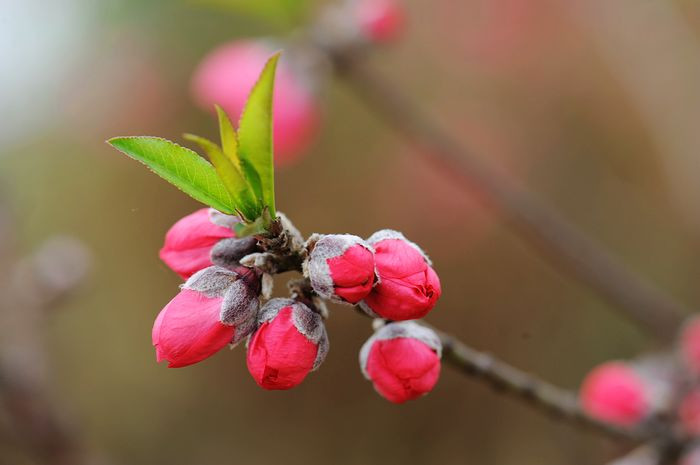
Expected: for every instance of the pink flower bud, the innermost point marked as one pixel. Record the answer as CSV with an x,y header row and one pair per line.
x,y
289,343
615,393
215,307
189,242
341,267
689,412
227,75
402,360
690,345
408,286
380,20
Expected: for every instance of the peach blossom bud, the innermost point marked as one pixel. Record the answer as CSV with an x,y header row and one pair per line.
x,y
215,307
615,393
341,267
402,360
408,287
380,20
289,343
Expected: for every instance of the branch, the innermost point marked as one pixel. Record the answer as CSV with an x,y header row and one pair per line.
x,y
552,236
646,454
526,387
501,376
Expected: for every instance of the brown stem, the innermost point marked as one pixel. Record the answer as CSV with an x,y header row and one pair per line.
x,y
552,236
485,367
526,387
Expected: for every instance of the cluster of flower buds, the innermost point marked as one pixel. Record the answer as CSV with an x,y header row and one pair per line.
x,y
387,276
392,279
662,389
219,305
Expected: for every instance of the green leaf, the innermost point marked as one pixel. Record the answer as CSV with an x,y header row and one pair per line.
x,y
229,141
283,12
232,178
181,167
255,135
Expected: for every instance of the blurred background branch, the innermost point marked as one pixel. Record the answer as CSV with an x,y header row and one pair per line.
x,y
568,248
34,419
662,89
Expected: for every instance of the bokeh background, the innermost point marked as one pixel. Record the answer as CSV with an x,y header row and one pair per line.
x,y
592,105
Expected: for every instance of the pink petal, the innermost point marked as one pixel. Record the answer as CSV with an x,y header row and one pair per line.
x,y
189,242
397,299
190,330
155,333
397,259
354,294
353,273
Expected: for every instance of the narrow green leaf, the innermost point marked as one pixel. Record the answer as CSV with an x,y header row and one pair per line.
x,y
232,178
229,141
255,134
179,166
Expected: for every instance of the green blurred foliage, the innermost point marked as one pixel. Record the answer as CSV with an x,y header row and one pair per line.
x,y
276,12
